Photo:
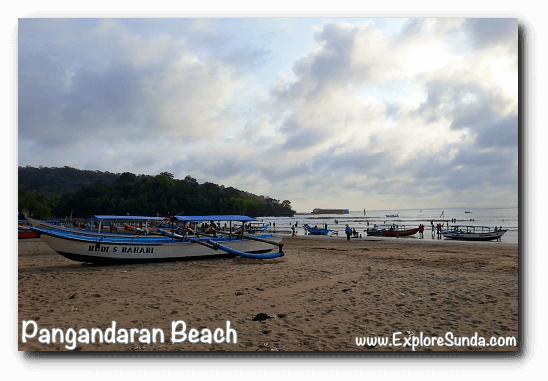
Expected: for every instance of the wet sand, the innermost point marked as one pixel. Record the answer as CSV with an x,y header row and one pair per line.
x,y
320,296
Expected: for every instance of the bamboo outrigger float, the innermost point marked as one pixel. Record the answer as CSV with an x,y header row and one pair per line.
x,y
117,248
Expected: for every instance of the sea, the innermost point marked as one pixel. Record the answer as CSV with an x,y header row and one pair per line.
x,y
507,218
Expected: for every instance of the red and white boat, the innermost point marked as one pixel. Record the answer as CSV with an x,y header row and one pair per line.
x,y
391,231
399,231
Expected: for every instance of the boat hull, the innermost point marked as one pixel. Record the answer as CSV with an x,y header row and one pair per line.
x,y
139,250
400,233
318,232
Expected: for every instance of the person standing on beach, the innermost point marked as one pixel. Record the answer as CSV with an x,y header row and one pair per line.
x,y
293,229
348,231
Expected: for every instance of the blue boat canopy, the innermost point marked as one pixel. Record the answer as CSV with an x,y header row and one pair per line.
x,y
212,218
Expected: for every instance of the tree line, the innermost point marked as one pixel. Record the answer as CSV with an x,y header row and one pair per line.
x,y
129,194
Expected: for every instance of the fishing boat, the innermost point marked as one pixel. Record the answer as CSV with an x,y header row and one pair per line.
x,y
392,215
375,231
393,231
253,227
474,233
110,248
317,231
400,232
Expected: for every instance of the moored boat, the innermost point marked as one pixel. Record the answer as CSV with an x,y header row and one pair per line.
x,y
474,233
254,227
377,230
330,211
108,248
317,231
391,231
399,231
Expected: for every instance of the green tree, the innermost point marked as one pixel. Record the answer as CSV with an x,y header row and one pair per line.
x,y
35,205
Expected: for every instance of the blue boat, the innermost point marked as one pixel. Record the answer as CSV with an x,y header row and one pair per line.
x,y
316,231
375,232
252,228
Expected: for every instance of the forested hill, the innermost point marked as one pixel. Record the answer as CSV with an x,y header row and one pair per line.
x,y
60,192
56,181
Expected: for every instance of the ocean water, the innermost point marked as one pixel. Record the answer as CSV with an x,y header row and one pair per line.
x,y
507,218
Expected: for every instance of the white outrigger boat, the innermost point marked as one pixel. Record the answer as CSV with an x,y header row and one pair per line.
x,y
474,233
93,247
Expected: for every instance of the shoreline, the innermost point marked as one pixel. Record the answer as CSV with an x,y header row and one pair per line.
x,y
509,238
321,296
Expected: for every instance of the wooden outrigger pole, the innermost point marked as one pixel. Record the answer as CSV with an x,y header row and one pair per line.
x,y
280,245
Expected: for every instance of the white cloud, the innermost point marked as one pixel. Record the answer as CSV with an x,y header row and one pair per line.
x,y
362,114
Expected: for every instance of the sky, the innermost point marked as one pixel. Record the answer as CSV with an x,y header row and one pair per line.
x,y
353,113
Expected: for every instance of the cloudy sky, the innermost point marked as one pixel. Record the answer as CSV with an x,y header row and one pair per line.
x,y
325,112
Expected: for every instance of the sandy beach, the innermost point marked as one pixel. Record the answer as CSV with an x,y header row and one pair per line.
x,y
322,295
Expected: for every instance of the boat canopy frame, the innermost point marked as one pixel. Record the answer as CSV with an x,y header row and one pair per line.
x,y
472,228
